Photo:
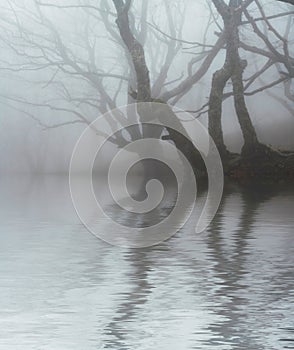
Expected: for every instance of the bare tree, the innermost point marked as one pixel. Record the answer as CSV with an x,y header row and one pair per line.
x,y
233,69
70,65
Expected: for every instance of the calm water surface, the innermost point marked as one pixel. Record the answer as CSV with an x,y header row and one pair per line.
x,y
61,288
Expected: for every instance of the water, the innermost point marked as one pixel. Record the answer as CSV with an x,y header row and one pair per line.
x,y
62,288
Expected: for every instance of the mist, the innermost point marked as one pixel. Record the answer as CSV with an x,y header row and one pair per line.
x,y
146,174
41,96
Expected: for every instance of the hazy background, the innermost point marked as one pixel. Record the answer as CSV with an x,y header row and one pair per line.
x,y
27,147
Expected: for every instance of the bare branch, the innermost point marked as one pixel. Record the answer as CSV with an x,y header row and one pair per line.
x,y
291,2
90,7
267,86
187,84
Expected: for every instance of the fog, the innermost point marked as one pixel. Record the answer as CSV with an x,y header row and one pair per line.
x,y
39,91
186,243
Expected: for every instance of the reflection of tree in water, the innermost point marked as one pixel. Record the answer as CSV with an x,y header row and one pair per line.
x,y
230,291
231,269
117,330
136,185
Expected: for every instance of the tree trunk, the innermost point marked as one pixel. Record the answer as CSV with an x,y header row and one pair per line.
x,y
219,80
248,131
237,66
232,69
143,93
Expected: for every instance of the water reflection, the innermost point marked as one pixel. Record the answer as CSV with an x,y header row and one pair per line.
x,y
116,331
228,288
231,269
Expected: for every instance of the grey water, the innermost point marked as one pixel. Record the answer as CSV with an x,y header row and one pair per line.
x,y
62,288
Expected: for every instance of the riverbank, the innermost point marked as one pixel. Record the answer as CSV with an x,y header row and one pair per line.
x,y
269,167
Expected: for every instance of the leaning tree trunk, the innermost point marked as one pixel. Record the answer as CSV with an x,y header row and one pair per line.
x,y
143,93
219,80
136,54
